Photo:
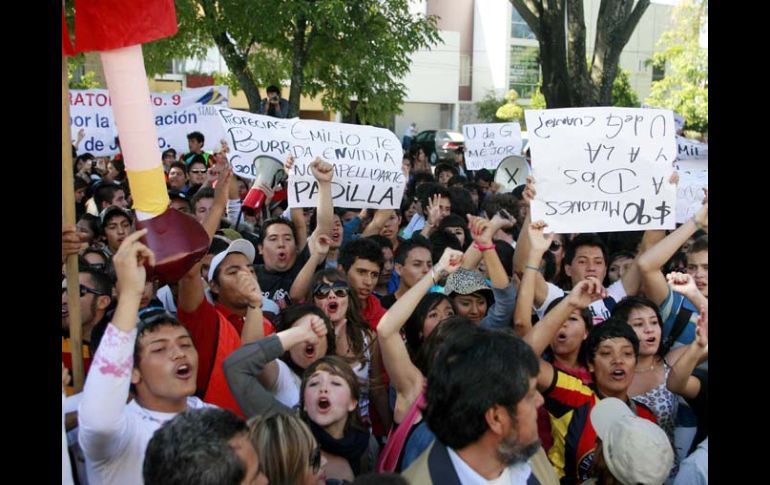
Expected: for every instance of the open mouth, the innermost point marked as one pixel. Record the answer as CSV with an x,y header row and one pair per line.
x,y
618,374
324,404
310,351
561,337
333,306
184,371
282,256
651,340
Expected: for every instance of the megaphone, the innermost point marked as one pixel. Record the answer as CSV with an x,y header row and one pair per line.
x,y
269,171
512,172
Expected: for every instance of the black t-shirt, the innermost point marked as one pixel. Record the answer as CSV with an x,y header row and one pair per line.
x,y
700,406
388,300
276,284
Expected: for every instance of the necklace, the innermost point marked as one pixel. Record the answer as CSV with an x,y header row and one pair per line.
x,y
647,369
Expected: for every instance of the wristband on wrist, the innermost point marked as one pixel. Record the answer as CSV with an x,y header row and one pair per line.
x,y
437,277
483,248
529,266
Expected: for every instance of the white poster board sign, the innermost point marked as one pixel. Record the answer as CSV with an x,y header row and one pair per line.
x,y
175,115
487,144
688,149
689,196
603,169
366,159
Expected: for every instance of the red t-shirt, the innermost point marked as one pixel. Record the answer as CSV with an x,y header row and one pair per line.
x,y
203,325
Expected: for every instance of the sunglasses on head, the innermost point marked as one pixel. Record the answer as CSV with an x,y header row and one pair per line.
x,y
555,246
150,315
322,290
315,459
83,290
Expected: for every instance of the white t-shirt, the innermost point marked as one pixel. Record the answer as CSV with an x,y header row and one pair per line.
x,y
114,435
286,388
513,475
598,308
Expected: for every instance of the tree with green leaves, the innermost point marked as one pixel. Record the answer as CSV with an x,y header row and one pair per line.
x,y
510,111
684,88
623,94
568,79
486,109
354,52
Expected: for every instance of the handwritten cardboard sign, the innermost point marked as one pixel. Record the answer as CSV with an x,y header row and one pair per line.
x,y
366,159
688,149
175,115
603,169
689,194
487,144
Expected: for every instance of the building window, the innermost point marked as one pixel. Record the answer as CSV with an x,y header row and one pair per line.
x,y
519,28
658,72
525,70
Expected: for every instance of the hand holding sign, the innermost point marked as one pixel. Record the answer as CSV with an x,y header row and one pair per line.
x,y
529,191
702,216
539,242
322,171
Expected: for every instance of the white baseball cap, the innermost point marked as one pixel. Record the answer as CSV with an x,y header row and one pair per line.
x,y
242,246
635,449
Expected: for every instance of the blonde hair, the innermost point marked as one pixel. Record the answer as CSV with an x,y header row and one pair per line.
x,y
284,445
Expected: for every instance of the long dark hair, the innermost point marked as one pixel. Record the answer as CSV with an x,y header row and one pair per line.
x,y
356,326
413,327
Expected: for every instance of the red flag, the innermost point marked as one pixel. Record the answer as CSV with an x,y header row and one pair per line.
x,y
102,25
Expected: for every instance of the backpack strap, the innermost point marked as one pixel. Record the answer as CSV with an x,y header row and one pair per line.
x,y
682,318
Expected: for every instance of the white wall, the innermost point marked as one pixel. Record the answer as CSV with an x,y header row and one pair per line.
x,y
491,40
426,115
434,75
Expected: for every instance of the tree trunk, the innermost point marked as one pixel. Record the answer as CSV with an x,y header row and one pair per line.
x,y
351,117
567,81
297,65
553,54
238,66
236,62
615,24
583,92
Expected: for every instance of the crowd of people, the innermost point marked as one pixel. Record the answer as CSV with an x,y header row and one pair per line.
x,y
451,340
